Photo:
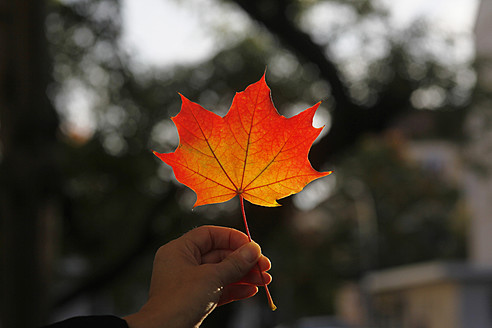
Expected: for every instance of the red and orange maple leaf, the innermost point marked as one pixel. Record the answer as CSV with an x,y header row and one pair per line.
x,y
252,151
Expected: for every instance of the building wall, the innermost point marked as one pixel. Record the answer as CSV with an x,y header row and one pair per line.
x,y
479,149
427,306
476,305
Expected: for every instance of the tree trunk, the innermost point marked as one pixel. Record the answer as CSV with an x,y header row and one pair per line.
x,y
29,181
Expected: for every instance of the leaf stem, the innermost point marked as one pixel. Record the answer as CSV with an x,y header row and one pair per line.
x,y
272,305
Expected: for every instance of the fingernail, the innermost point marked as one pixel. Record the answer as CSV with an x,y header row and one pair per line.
x,y
250,252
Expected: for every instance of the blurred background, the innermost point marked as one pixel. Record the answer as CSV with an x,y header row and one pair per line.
x,y
397,236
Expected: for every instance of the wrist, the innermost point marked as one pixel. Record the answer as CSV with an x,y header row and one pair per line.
x,y
161,317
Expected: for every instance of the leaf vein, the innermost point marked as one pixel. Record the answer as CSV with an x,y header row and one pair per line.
x,y
211,150
204,176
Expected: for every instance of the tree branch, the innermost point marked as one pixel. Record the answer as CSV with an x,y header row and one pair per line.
x,y
349,120
300,43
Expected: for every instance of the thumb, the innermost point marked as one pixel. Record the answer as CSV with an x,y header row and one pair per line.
x,y
239,263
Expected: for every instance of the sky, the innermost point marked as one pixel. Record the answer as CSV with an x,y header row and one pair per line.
x,y
150,26
454,15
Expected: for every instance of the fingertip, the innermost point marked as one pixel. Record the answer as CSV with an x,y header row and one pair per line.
x,y
239,263
267,278
264,263
250,252
236,292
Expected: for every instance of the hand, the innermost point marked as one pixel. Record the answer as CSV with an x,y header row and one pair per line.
x,y
206,267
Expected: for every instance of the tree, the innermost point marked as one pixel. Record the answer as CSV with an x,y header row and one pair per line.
x,y
29,176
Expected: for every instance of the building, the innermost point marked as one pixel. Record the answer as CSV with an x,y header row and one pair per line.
x,y
450,294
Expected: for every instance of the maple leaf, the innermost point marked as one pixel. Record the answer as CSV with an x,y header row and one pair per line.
x,y
252,151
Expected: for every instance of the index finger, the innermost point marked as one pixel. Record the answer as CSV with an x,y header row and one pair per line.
x,y
208,238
